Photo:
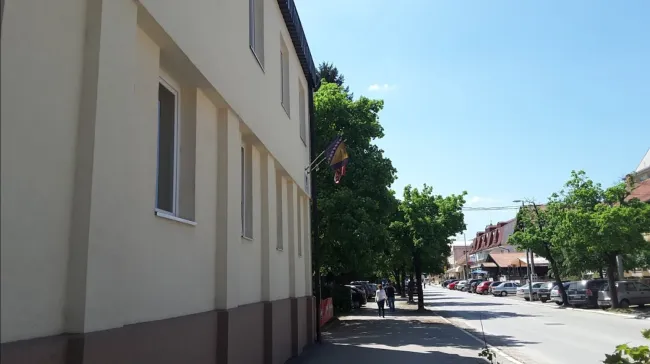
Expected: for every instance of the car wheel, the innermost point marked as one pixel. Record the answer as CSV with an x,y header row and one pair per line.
x,y
504,293
625,303
558,303
527,299
543,300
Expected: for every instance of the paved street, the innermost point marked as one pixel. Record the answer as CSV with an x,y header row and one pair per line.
x,y
534,333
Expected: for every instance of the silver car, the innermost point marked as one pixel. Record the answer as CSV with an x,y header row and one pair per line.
x,y
524,292
555,293
629,293
504,289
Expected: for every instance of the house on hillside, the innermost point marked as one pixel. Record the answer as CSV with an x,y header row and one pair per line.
x,y
155,207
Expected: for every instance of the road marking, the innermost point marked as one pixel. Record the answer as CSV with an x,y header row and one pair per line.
x,y
491,347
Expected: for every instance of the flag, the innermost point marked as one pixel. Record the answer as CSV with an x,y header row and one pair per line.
x,y
337,157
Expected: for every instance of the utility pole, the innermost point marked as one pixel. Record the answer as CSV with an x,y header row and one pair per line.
x,y
466,260
528,266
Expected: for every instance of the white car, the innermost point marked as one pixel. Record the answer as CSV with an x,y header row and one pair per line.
x,y
504,289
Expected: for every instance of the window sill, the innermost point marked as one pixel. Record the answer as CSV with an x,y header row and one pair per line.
x,y
279,249
167,215
246,238
257,58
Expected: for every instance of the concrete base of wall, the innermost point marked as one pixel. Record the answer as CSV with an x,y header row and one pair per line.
x,y
260,333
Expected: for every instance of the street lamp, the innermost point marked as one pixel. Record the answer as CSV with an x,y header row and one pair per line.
x,y
528,270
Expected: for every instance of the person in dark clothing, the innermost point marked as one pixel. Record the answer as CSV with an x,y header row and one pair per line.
x,y
411,288
390,294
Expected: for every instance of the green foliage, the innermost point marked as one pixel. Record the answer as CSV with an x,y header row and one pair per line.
x,y
625,354
355,214
341,299
489,355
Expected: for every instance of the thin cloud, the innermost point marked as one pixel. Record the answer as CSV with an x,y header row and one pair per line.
x,y
381,87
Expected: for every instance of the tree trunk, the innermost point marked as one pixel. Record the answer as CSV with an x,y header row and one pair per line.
x,y
402,282
556,273
600,271
611,280
417,264
398,285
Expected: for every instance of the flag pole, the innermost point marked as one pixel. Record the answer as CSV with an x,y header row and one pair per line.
x,y
315,236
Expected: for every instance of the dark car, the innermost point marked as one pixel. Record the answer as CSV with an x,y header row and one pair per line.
x,y
370,293
358,296
446,283
471,285
585,292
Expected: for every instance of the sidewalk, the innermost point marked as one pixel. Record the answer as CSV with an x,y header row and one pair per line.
x,y
405,336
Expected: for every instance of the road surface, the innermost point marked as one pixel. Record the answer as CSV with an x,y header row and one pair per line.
x,y
535,333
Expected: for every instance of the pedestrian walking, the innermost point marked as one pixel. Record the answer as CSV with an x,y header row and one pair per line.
x,y
390,297
380,297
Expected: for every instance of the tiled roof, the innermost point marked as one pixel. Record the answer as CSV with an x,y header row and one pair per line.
x,y
491,237
641,191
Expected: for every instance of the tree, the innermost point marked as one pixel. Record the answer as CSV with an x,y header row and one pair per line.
x,y
535,230
603,223
328,72
428,223
354,214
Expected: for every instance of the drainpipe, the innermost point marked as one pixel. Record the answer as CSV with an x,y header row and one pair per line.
x,y
315,253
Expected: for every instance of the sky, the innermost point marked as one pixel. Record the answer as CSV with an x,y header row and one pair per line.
x,y
501,99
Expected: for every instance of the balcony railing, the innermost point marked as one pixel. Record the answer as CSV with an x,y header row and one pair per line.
x,y
299,40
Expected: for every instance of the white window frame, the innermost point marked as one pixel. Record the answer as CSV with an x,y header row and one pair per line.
x,y
285,74
258,50
243,189
302,106
174,88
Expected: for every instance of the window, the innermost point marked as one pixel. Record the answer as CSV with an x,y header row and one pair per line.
x,y
284,78
256,29
167,174
278,212
303,114
300,227
246,192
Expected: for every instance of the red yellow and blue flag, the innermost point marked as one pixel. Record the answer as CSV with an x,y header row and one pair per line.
x,y
337,157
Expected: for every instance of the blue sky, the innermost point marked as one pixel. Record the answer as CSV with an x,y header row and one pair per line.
x,y
499,98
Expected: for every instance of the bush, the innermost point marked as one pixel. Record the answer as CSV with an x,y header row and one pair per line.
x,y
625,354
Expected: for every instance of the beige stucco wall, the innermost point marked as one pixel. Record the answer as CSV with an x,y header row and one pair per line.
x,y
79,233
40,80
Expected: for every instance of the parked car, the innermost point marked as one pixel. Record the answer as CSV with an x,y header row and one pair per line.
x,y
461,286
358,296
471,285
524,292
555,293
446,283
370,293
453,285
484,287
585,292
629,293
544,292
504,289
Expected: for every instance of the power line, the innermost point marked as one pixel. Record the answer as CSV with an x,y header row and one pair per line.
x,y
491,208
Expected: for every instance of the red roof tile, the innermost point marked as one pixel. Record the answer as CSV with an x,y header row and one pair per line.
x,y
641,191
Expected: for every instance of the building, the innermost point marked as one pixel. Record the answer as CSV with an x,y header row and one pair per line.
x,y
154,203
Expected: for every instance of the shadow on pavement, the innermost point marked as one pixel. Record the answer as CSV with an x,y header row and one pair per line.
x,y
479,315
425,339
331,353
462,303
